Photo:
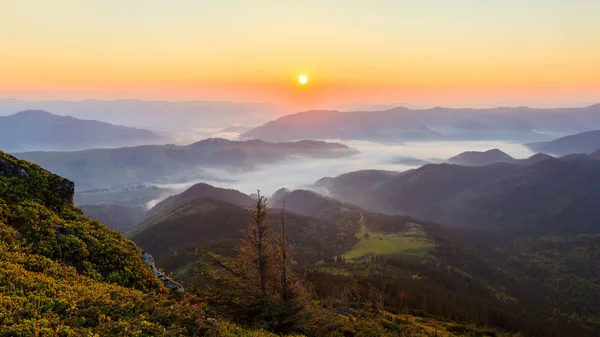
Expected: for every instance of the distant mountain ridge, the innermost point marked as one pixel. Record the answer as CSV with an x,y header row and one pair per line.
x,y
403,124
153,114
586,142
494,156
129,166
40,130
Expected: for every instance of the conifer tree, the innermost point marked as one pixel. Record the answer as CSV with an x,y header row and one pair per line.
x,y
258,286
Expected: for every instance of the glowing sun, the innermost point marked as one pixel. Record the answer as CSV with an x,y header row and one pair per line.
x,y
303,79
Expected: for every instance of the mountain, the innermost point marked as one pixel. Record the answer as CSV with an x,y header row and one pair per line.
x,y
551,196
534,159
494,156
154,115
595,154
331,124
586,142
403,124
202,190
40,130
132,166
309,203
474,158
355,187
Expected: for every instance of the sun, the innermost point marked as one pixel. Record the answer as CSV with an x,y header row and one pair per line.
x,y
303,79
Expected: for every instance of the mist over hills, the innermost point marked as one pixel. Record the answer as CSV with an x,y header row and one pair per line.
x,y
40,130
403,124
129,166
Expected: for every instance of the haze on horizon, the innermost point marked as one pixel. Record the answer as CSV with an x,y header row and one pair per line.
x,y
464,53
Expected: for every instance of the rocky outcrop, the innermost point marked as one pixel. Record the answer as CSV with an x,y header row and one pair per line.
x,y
169,284
10,166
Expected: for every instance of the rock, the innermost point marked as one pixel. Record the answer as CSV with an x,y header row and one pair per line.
x,y
10,168
170,284
64,188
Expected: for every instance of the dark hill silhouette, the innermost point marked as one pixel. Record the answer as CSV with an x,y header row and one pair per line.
x,y
41,130
474,158
576,157
356,187
203,190
536,158
548,197
586,142
494,156
309,203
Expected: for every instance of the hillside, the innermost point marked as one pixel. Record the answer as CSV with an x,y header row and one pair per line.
x,y
436,267
586,142
542,198
203,190
132,166
177,232
309,203
63,274
403,124
355,187
35,130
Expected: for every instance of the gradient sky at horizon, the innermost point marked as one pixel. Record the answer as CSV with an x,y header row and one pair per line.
x,y
426,52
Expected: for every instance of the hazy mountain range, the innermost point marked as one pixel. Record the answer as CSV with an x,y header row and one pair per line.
x,y
130,166
403,124
40,130
153,114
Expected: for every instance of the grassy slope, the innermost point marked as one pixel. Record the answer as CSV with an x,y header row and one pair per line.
x,y
410,242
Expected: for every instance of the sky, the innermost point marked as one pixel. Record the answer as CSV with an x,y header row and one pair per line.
x,y
425,52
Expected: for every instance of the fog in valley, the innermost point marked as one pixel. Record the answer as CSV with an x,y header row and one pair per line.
x,y
302,173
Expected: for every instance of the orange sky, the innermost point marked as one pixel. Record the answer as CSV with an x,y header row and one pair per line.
x,y
463,52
